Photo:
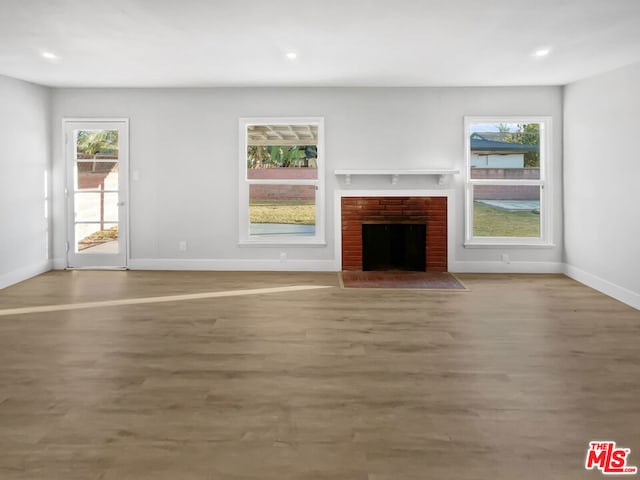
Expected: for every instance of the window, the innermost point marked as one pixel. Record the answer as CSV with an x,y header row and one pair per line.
x,y
281,181
507,164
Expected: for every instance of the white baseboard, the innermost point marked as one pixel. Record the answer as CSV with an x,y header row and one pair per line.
x,y
512,267
608,288
234,265
17,276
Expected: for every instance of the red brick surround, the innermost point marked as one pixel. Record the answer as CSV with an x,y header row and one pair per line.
x,y
429,210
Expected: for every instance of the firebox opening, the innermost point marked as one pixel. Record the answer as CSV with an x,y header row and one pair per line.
x,y
394,246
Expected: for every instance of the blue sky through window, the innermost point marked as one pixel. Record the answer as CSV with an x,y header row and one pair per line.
x,y
492,127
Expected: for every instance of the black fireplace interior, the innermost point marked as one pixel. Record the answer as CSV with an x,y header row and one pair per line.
x,y
394,246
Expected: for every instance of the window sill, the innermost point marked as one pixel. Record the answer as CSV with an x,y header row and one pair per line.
x,y
508,245
279,242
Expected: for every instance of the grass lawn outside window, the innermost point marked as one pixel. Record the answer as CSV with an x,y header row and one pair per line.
x,y
490,221
282,212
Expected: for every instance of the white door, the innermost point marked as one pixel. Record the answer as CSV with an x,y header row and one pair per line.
x,y
97,156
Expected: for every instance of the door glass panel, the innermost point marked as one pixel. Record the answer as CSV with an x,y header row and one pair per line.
x,y
92,206
97,143
96,195
97,175
96,238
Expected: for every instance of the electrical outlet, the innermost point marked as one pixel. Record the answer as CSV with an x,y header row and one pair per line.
x,y
182,246
505,258
283,256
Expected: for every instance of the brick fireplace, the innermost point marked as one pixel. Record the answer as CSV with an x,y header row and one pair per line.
x,y
431,211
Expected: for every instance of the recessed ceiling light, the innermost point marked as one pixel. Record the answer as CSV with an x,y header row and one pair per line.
x,y
542,52
292,55
49,56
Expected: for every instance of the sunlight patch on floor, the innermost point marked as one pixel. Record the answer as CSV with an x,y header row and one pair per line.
x,y
167,298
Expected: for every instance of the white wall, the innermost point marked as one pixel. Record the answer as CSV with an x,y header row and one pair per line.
x,y
183,144
601,190
24,159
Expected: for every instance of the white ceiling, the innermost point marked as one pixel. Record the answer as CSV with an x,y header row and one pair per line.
x,y
173,43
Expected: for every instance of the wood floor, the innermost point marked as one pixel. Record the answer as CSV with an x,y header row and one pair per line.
x,y
509,380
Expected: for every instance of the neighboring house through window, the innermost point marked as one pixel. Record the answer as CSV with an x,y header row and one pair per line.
x,y
507,181
281,180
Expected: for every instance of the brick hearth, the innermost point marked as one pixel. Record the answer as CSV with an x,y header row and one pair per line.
x,y
429,210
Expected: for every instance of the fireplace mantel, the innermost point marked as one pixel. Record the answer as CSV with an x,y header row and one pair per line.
x,y
443,174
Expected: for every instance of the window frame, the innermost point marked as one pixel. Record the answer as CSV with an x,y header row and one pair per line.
x,y
546,237
244,235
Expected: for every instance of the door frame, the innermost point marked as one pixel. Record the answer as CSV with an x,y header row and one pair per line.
x,y
123,189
